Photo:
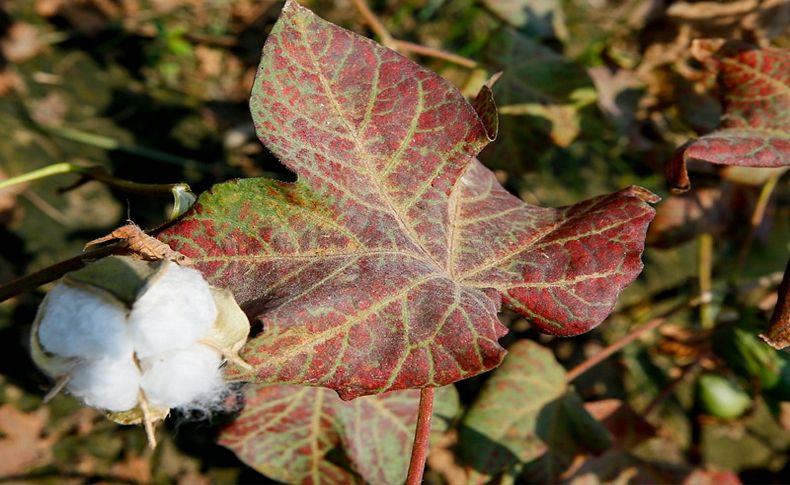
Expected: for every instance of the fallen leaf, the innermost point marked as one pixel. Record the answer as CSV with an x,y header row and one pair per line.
x,y
134,468
21,42
23,443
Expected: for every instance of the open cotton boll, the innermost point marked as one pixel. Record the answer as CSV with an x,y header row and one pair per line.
x,y
110,384
79,323
175,312
183,377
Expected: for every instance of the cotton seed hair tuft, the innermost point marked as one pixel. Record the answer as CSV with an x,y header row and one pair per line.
x,y
136,339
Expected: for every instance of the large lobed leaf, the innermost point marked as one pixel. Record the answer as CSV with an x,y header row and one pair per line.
x,y
384,266
754,130
299,434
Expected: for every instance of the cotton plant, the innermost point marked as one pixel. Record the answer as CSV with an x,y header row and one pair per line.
x,y
136,338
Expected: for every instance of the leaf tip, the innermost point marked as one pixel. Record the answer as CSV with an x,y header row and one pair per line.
x,y
485,107
642,194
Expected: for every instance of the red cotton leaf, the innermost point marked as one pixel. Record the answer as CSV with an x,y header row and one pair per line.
x,y
298,434
754,130
384,266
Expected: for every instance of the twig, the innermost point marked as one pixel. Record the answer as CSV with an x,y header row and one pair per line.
x,y
706,280
419,451
51,273
95,173
611,349
374,23
403,46
183,198
757,218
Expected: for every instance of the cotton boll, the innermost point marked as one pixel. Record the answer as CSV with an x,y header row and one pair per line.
x,y
183,377
109,384
175,312
79,323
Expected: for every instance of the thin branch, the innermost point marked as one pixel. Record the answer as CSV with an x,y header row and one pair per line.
x,y
405,46
374,23
183,198
94,172
51,273
611,349
419,451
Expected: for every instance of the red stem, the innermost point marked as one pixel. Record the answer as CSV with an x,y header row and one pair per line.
x,y
612,348
419,451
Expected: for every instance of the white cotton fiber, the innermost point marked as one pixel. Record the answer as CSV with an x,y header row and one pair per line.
x,y
78,323
175,312
110,384
183,377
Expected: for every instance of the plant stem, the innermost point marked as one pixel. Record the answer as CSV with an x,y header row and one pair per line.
x,y
611,349
51,273
757,218
41,173
706,280
93,172
404,46
374,23
419,451
183,198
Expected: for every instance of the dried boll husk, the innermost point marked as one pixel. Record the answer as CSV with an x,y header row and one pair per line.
x,y
171,320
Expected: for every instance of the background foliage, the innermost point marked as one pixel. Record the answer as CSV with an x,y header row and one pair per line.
x,y
595,96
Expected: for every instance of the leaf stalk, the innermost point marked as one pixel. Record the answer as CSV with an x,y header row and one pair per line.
x,y
419,451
